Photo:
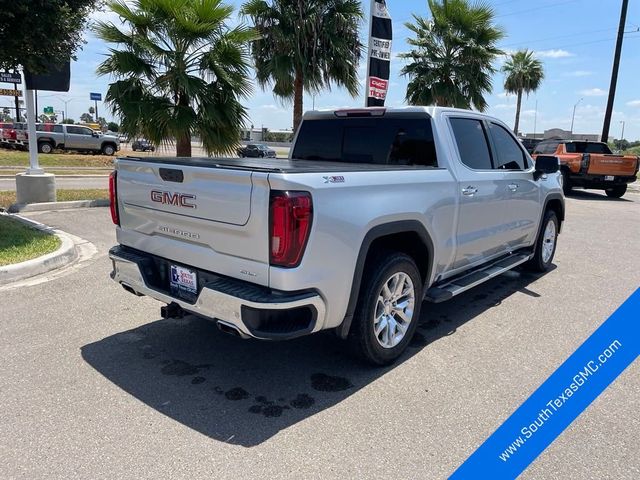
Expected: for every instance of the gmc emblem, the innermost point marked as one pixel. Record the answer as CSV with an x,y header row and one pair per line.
x,y
175,199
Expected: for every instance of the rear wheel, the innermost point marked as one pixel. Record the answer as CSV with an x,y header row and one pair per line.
x,y
388,309
45,147
616,192
546,243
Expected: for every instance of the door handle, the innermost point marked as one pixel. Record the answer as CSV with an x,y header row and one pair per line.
x,y
513,187
469,191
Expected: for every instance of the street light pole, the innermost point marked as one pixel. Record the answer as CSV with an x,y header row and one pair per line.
x,y
622,135
574,114
535,121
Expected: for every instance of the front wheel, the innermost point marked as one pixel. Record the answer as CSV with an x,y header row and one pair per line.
x,y
388,309
616,192
546,243
108,150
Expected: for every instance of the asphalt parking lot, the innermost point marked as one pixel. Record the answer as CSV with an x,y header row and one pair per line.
x,y
95,385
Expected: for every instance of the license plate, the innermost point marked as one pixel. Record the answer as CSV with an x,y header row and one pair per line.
x,y
183,280
609,178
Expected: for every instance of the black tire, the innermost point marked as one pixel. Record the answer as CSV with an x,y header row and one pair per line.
x,y
362,338
45,147
540,262
616,192
108,149
566,183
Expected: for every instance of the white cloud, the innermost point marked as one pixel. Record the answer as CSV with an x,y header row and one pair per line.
x,y
554,53
269,107
504,106
593,92
504,95
634,103
578,73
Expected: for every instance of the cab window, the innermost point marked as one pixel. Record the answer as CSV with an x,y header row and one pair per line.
x,y
508,153
472,143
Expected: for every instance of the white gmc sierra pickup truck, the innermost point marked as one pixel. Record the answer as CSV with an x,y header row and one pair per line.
x,y
375,211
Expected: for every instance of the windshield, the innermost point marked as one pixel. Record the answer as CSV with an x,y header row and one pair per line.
x,y
587,147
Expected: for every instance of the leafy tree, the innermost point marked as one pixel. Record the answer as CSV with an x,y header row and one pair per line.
x,y
305,46
113,126
524,75
69,121
36,32
450,63
86,118
181,71
92,110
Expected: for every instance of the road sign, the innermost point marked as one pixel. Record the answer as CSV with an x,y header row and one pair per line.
x,y
10,92
8,77
48,110
95,96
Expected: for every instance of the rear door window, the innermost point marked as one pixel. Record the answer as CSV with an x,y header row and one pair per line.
x,y
384,141
546,148
508,153
472,143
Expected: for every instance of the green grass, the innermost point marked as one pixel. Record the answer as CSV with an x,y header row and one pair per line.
x,y
19,242
70,171
14,158
8,197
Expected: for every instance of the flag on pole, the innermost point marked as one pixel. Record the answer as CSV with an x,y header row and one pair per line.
x,y
378,69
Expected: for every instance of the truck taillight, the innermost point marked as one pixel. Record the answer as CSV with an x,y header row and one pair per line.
x,y
113,198
290,216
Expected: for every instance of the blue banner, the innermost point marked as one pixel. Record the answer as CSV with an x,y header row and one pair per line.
x,y
560,399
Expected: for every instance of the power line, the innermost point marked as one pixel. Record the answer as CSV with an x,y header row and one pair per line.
x,y
586,32
608,39
557,4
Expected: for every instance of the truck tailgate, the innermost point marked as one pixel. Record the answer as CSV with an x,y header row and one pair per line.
x,y
612,165
197,216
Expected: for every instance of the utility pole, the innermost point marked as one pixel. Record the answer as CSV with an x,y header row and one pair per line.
x,y
614,72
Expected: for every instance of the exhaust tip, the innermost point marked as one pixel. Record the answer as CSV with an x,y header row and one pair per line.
x,y
230,329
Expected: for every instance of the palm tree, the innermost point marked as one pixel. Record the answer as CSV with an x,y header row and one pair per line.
x,y
305,45
180,71
451,62
524,74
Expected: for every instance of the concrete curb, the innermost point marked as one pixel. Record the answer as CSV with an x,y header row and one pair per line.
x,y
43,207
63,256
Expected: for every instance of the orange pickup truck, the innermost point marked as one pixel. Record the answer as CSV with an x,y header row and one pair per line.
x,y
591,165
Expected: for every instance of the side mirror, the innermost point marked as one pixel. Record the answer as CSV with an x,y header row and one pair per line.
x,y
546,164
94,134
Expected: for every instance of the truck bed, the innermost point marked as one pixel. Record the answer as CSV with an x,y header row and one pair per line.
x,y
273,165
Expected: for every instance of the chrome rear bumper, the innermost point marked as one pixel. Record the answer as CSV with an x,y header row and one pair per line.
x,y
252,310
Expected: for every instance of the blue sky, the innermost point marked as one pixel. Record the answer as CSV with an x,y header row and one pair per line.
x,y
574,38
